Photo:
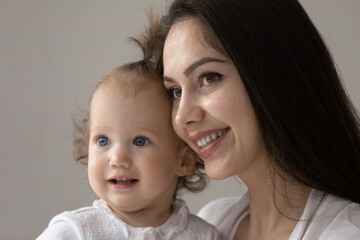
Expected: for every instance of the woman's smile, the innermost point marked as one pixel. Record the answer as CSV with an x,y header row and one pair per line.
x,y
208,141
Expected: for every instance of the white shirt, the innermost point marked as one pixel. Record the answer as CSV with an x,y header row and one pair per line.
x,y
99,222
334,219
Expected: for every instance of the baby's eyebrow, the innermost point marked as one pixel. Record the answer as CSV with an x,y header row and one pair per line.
x,y
97,129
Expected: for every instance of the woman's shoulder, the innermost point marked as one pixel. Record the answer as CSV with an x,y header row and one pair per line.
x,y
333,218
346,223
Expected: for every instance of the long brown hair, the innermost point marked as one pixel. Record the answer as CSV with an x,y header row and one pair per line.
x,y
309,125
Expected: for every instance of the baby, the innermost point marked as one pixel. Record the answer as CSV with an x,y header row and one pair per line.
x,y
136,165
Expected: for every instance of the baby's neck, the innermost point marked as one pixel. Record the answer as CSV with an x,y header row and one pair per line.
x,y
153,216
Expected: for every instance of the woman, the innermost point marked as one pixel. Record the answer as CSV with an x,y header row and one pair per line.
x,y
256,94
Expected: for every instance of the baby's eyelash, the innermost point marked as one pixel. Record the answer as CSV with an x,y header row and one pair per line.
x,y
141,141
94,138
102,141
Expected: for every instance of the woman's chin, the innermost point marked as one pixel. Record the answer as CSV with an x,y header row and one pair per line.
x,y
216,173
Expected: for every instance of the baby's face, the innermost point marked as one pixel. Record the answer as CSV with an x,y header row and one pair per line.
x,y
133,149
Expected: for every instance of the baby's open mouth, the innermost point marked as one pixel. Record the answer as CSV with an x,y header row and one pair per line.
x,y
123,181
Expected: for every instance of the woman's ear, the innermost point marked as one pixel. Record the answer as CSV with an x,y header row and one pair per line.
x,y
187,160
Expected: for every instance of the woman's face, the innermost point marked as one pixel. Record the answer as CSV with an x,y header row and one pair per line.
x,y
212,111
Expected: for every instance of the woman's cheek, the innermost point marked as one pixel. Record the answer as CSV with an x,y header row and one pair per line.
x,y
177,128
216,106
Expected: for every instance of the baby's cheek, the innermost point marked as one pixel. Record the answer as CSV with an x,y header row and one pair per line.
x,y
95,172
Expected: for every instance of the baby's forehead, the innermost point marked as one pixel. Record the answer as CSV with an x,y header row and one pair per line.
x,y
131,86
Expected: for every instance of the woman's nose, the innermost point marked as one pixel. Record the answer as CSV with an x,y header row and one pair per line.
x,y
120,158
189,110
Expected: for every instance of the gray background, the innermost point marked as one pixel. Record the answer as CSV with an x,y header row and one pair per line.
x,y
52,52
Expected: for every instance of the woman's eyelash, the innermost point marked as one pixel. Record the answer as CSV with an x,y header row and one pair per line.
x,y
209,78
205,79
174,92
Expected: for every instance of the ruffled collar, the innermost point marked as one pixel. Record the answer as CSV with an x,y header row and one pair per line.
x,y
175,224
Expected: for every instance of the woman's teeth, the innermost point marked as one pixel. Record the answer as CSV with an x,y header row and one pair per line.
x,y
208,139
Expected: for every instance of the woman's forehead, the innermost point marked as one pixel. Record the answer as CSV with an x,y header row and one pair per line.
x,y
201,33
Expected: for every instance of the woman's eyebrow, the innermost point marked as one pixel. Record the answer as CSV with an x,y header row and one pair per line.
x,y
193,66
200,62
167,79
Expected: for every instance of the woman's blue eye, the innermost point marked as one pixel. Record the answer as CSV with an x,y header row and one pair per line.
x,y
209,78
141,141
103,141
175,92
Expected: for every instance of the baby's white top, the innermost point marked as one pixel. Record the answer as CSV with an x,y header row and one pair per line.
x,y
99,222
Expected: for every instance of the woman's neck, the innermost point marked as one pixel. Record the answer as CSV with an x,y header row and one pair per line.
x,y
275,205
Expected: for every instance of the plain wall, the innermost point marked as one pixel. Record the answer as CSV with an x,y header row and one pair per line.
x,y
52,53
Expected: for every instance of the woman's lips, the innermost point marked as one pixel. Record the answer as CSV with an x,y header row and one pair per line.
x,y
209,141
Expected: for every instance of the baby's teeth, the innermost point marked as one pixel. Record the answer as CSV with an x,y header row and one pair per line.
x,y
220,133
208,139
203,141
199,143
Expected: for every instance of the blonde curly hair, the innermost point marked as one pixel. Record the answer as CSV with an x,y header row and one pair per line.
x,y
196,180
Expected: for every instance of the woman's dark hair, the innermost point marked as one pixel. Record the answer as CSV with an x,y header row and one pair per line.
x,y
144,74
309,125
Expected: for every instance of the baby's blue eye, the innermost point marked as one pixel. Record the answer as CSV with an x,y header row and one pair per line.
x,y
140,141
103,141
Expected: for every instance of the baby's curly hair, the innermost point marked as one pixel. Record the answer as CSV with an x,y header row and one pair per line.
x,y
196,180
